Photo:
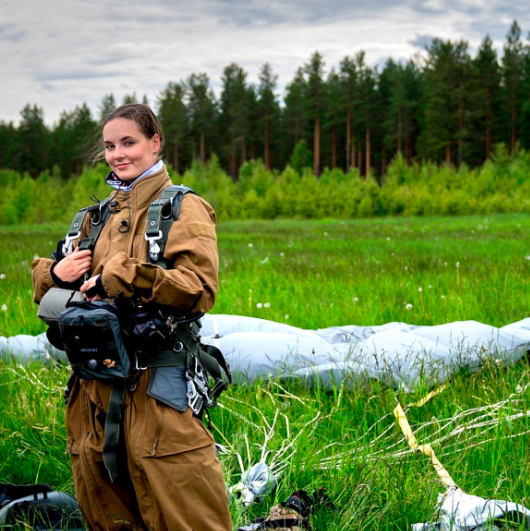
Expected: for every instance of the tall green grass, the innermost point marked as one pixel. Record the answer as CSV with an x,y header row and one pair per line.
x,y
316,274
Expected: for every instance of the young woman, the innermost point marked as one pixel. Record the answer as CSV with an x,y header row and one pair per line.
x,y
169,477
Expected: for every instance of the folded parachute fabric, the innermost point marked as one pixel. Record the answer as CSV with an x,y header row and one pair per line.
x,y
256,483
398,354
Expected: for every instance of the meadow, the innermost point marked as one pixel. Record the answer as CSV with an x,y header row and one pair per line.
x,y
315,274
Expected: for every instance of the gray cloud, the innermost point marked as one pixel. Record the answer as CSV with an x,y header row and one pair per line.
x,y
65,52
422,41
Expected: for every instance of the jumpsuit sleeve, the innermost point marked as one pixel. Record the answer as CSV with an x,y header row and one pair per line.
x,y
41,270
191,285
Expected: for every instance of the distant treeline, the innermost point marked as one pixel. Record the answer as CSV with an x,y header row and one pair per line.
x,y
446,107
500,185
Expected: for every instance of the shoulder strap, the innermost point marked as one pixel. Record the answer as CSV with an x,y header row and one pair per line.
x,y
160,216
99,216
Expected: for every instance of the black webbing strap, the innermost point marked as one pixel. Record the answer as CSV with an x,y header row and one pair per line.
x,y
148,360
213,361
100,216
160,216
111,438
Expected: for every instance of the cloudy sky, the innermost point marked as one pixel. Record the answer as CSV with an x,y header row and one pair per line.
x,y
61,53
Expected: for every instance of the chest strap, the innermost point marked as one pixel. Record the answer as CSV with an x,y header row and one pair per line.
x,y
99,215
160,216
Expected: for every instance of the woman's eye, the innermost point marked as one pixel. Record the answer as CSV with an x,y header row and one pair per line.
x,y
129,143
109,147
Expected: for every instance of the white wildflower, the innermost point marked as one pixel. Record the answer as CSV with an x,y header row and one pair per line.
x,y
286,317
282,254
2,276
406,268
251,245
265,260
527,257
443,296
259,306
408,306
457,265
388,238
519,389
355,299
420,289
430,287
4,307
325,233
267,305
445,264
250,290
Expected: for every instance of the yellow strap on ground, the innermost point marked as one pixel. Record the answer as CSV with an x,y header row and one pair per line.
x,y
432,394
424,448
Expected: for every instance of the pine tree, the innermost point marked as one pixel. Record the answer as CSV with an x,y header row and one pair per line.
x,y
489,94
512,63
348,78
334,114
201,109
33,141
173,117
315,100
294,115
107,105
268,111
128,99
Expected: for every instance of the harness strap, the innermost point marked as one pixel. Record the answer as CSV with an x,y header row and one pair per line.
x,y
160,359
100,215
160,216
112,428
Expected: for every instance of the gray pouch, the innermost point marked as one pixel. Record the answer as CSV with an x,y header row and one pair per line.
x,y
169,386
54,303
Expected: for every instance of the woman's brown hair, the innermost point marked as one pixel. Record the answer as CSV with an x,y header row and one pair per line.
x,y
142,116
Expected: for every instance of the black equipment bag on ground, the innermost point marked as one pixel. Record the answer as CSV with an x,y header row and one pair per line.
x,y
38,507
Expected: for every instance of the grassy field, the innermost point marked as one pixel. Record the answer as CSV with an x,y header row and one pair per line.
x,y
313,275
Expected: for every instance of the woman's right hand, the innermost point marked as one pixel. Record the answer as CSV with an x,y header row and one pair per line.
x,y
73,266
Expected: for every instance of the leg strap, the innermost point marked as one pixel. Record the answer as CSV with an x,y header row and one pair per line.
x,y
112,428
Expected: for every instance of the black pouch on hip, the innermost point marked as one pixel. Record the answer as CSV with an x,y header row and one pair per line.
x,y
93,340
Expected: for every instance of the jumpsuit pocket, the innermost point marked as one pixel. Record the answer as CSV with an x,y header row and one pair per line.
x,y
170,432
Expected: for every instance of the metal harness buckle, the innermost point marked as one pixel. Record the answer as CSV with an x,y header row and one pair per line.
x,y
68,243
154,248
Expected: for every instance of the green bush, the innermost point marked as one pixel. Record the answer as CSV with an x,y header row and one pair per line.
x,y
502,184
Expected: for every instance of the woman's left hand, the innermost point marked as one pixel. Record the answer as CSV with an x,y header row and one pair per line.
x,y
90,283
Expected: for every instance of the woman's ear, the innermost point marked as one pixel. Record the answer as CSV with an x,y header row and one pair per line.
x,y
155,142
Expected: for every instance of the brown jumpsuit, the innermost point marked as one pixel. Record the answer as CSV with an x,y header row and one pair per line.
x,y
174,479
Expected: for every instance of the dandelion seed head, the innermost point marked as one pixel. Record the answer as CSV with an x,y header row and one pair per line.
x,y
519,389
286,317
2,276
443,296
420,289
430,287
259,306
388,238
267,305
282,254
4,307
251,245
408,306
457,265
355,299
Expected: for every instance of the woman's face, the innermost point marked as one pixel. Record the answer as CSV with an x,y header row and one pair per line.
x,y
127,150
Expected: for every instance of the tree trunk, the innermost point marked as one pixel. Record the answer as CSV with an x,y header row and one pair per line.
x,y
233,162
360,163
400,126
243,150
349,161
368,152
383,162
513,121
267,153
252,151
203,153
409,149
334,148
316,147
176,157
460,131
353,158
448,156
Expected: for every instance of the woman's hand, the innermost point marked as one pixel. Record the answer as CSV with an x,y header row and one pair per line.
x,y
73,266
90,283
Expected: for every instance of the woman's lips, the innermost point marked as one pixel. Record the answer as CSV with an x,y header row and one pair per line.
x,y
121,166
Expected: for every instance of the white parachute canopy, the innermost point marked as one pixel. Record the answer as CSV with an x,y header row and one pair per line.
x,y
398,354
